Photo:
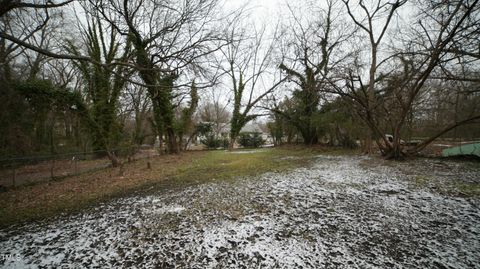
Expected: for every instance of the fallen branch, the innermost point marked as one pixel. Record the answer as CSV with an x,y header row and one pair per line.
x,y
426,142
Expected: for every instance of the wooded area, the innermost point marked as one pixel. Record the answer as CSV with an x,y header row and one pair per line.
x,y
239,133
109,74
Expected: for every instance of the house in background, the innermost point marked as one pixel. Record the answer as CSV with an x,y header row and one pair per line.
x,y
256,127
222,131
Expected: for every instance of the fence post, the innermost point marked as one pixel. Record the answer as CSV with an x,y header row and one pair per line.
x,y
149,165
51,168
75,164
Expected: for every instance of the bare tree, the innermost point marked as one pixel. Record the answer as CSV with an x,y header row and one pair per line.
x,y
368,24
393,92
10,5
178,37
247,63
28,25
137,101
24,37
13,13
311,51
215,111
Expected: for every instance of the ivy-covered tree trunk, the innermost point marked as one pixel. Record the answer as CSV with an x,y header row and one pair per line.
x,y
103,89
239,118
163,98
235,127
157,124
309,135
238,121
159,86
185,123
235,123
160,92
306,101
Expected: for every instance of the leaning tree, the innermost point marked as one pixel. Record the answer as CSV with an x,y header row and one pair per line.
x,y
418,52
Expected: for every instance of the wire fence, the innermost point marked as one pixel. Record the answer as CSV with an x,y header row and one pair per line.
x,y
24,170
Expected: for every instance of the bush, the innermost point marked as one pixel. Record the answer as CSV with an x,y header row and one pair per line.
x,y
250,140
212,142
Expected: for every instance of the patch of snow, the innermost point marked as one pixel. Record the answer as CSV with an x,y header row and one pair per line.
x,y
247,151
443,145
335,213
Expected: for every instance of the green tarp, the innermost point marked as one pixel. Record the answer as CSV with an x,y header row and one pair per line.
x,y
468,149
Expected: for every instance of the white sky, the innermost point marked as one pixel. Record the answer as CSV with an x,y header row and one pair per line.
x,y
269,13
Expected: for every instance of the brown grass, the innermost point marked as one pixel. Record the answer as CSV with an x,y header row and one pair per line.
x,y
73,193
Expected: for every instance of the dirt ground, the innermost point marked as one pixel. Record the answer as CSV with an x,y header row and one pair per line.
x,y
341,212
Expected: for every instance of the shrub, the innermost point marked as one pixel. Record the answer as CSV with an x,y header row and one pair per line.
x,y
212,142
250,140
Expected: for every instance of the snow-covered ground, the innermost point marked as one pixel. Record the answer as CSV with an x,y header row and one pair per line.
x,y
342,211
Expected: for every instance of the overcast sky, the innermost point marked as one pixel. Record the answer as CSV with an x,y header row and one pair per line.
x,y
271,12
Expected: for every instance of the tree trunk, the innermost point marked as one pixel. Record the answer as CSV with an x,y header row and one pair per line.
x,y
190,139
160,93
396,150
160,144
233,137
368,144
138,136
113,158
309,136
172,145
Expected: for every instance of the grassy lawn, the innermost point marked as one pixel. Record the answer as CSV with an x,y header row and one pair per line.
x,y
71,194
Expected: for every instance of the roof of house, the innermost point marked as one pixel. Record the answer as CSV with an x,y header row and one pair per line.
x,y
252,128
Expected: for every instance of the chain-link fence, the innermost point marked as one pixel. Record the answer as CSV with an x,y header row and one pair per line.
x,y
26,170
